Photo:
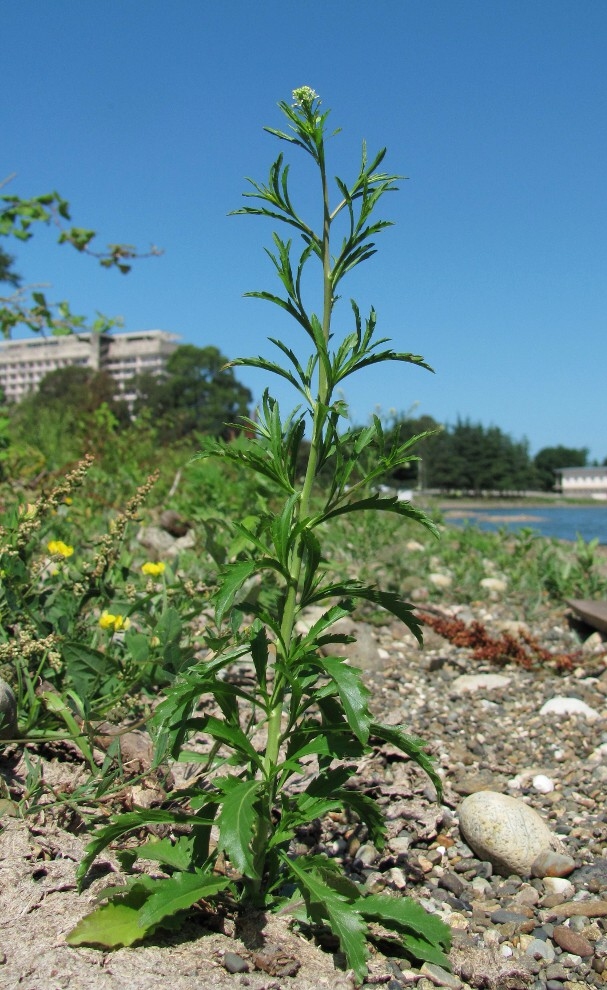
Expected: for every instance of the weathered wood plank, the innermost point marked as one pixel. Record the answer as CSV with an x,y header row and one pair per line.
x,y
594,613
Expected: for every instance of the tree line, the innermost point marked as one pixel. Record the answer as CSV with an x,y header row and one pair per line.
x,y
76,409
472,458
198,395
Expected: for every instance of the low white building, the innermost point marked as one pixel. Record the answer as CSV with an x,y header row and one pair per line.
x,y
588,482
24,363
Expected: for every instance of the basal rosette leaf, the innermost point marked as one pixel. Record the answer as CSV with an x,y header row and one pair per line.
x,y
113,925
123,824
423,935
324,903
178,893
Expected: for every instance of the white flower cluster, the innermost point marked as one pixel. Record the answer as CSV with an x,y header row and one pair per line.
x,y
304,97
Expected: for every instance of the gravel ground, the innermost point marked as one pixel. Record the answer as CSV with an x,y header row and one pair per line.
x,y
508,931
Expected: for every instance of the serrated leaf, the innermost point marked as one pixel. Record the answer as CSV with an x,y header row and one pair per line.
x,y
423,934
232,579
385,599
237,821
177,855
127,823
382,503
343,917
177,893
231,735
112,925
353,694
414,748
329,618
368,811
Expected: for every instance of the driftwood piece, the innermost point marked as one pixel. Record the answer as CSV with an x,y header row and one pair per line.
x,y
591,612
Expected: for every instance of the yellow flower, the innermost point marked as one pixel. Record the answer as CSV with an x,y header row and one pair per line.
x,y
113,622
61,548
154,570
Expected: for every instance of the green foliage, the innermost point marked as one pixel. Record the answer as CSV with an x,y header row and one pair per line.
x,y
83,632
31,309
548,459
465,457
534,570
198,394
303,701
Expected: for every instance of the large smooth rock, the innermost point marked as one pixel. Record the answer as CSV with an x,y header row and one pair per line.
x,y
506,832
8,711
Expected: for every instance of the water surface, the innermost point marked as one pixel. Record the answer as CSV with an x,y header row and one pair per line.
x,y
565,522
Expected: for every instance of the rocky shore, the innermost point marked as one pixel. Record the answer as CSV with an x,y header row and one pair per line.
x,y
536,735
533,734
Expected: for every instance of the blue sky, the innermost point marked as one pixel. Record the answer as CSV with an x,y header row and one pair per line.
x,y
148,115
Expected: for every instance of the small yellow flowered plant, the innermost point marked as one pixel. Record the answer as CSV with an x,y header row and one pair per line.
x,y
113,622
154,570
60,548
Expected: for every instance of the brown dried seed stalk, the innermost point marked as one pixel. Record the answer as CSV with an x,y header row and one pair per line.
x,y
523,649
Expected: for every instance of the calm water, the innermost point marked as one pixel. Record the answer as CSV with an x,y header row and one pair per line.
x,y
562,521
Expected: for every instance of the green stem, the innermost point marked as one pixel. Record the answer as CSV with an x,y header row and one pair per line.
x,y
290,607
288,619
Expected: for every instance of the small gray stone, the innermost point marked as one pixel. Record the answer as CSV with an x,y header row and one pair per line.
x,y
8,711
452,883
539,949
235,963
504,917
440,977
366,855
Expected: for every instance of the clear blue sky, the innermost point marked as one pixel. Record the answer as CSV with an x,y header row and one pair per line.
x,y
147,116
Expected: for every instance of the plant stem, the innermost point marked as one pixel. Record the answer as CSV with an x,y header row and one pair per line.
x,y
289,612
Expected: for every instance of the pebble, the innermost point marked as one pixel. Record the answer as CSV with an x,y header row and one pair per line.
x,y
235,963
587,909
560,886
542,783
568,706
572,941
479,682
8,711
440,977
552,864
538,949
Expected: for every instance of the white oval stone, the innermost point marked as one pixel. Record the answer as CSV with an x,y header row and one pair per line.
x,y
559,885
476,682
568,706
505,831
542,783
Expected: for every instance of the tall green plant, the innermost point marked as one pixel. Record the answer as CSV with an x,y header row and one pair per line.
x,y
304,703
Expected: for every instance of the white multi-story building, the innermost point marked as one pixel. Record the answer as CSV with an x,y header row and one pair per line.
x,y
24,363
583,481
